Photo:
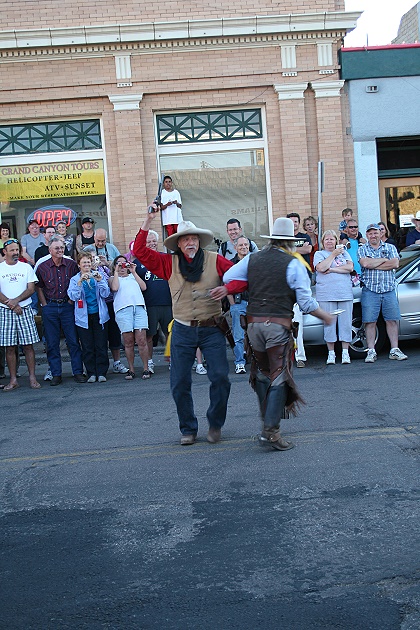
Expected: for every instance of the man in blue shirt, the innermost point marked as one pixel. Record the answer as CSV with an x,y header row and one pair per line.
x,y
379,261
351,239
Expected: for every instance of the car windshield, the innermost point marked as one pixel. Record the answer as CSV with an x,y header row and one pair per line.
x,y
408,256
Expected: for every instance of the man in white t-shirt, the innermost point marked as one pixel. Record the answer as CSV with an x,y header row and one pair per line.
x,y
170,206
17,322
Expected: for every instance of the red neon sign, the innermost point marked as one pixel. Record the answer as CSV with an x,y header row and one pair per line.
x,y
49,216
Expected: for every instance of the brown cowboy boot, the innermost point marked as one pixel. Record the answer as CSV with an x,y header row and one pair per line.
x,y
270,437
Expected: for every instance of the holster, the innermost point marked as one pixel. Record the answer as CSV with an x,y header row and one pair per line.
x,y
243,321
222,324
295,329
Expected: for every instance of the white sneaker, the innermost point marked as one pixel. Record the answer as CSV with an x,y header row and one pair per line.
x,y
101,379
371,356
331,358
345,357
397,354
119,368
91,379
151,366
240,369
48,376
200,369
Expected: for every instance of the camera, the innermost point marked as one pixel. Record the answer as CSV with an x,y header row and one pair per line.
x,y
125,265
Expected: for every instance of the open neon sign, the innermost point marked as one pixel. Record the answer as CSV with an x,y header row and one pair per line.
x,y
49,216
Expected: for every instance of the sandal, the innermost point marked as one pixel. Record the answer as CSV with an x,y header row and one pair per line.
x,y
129,376
146,374
10,387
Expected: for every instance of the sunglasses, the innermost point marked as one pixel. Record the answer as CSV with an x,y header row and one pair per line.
x,y
352,227
10,241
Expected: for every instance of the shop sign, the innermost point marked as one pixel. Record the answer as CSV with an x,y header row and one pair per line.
x,y
50,215
49,181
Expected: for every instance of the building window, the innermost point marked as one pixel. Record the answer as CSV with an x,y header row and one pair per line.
x,y
76,135
242,124
219,185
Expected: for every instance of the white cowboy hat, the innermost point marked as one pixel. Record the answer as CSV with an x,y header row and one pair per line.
x,y
283,230
185,228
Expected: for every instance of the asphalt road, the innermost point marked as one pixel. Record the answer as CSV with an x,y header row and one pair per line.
x,y
107,522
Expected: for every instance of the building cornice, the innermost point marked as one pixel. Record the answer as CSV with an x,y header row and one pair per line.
x,y
149,33
125,102
291,91
327,89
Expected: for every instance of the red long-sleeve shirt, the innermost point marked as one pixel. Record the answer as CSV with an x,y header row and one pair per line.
x,y
161,264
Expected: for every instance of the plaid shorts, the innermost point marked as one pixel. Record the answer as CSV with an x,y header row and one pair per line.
x,y
17,330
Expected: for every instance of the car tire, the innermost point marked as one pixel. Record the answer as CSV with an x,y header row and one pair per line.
x,y
358,344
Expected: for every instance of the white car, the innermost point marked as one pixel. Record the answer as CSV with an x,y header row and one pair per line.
x,y
408,291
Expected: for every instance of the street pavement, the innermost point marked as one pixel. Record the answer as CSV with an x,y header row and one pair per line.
x,y
106,522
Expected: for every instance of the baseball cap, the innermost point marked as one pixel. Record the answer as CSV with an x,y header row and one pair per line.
x,y
32,221
372,226
87,220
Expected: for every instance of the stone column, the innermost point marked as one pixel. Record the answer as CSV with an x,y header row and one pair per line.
x,y
128,218
331,148
295,149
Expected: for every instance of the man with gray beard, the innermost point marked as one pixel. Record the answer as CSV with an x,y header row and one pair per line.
x,y
195,281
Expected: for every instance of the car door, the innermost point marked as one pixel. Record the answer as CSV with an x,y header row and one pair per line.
x,y
409,299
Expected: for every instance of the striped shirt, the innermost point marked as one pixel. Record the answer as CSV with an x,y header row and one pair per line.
x,y
54,280
378,280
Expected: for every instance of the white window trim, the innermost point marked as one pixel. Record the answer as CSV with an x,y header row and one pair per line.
x,y
218,146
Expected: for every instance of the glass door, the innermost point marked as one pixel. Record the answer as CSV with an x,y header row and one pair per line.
x,y
399,200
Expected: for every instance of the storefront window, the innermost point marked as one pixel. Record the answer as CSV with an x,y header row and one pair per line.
x,y
52,171
77,135
53,191
217,186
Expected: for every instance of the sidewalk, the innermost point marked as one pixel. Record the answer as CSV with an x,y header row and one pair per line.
x,y
42,363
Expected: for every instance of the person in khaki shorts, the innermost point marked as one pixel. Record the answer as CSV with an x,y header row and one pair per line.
x,y
378,261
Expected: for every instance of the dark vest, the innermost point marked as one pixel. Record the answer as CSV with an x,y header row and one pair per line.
x,y
269,293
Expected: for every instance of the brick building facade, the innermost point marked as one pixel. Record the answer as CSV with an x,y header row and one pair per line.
x,y
238,108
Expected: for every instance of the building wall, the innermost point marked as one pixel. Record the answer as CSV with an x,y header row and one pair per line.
x,y
389,113
50,13
306,114
392,111
409,31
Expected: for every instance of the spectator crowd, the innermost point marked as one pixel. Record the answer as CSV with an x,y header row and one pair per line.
x,y
101,301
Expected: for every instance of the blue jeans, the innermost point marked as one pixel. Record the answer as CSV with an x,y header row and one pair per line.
x,y
184,343
372,303
236,310
55,317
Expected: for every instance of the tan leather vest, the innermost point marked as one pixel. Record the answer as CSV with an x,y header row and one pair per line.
x,y
190,300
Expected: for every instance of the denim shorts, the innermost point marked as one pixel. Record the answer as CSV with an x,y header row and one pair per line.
x,y
131,318
372,303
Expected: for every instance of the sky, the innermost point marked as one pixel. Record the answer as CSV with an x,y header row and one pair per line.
x,y
380,20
